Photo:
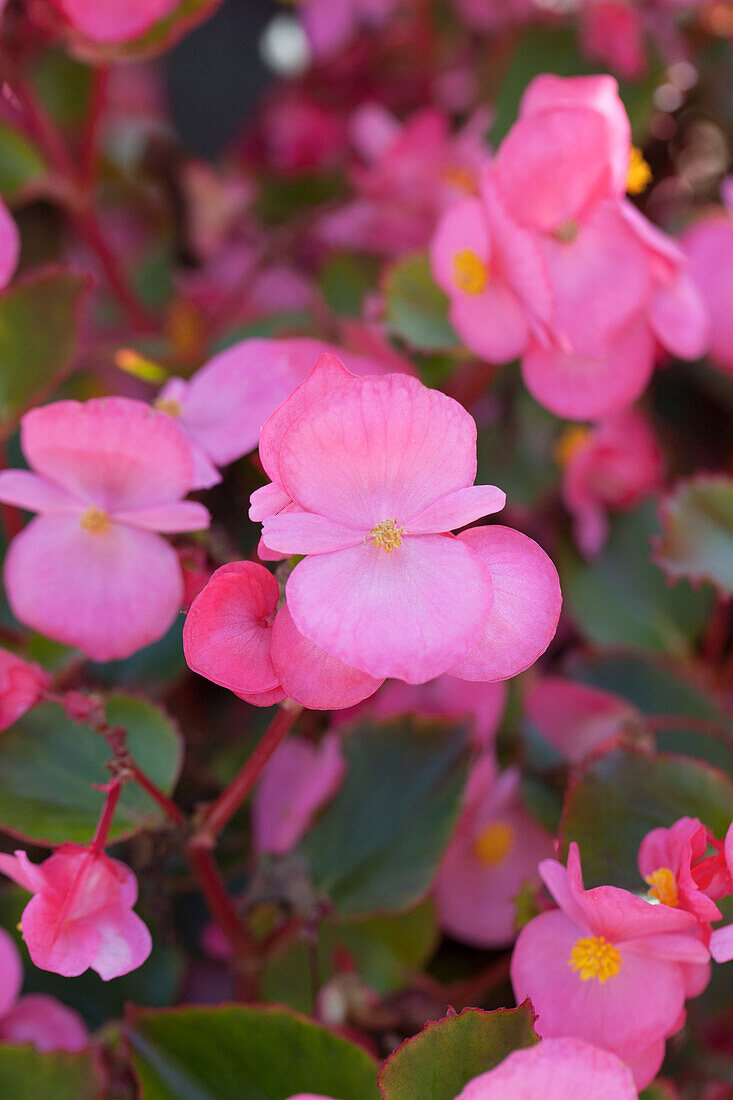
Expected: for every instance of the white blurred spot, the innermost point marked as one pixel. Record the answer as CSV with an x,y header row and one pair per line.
x,y
668,97
683,74
285,47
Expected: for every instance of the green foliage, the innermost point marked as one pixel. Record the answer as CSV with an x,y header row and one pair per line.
x,y
697,532
417,309
20,162
24,1072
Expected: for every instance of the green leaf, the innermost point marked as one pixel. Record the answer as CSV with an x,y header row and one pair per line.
x,y
697,531
624,794
378,845
417,309
48,764
38,333
20,162
238,1053
345,279
622,598
447,1054
58,1076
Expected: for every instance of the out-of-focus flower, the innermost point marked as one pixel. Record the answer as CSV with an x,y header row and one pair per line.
x,y
555,1069
9,245
114,20
666,859
708,245
577,719
608,467
91,570
80,915
607,967
612,31
21,686
331,26
494,852
35,1018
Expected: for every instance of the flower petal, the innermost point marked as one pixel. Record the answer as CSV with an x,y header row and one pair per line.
x,y
179,515
300,532
46,1023
24,489
124,942
458,509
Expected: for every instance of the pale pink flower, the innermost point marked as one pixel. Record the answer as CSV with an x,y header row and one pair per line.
x,y
81,913
609,467
708,244
91,570
577,719
9,246
21,686
607,967
114,20
235,636
331,26
35,1018
494,852
555,1069
379,470
612,31
297,781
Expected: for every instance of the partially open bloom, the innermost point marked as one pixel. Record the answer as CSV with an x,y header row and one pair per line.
x,y
91,569
494,852
666,862
114,20
607,967
609,467
35,1018
577,719
80,915
555,1069
370,476
21,686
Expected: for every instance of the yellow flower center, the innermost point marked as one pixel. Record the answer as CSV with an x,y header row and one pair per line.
x,y
169,406
470,273
640,174
568,231
387,535
569,443
462,179
664,887
493,843
595,957
95,521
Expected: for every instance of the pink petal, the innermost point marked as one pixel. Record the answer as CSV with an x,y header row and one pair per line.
x,y
263,698
721,944
493,324
11,969
20,869
674,947
44,1022
410,614
114,20
61,946
679,318
228,629
9,245
179,515
709,248
378,448
124,942
304,533
267,501
111,452
518,255
462,226
26,490
645,1064
526,608
21,687
577,719
566,886
108,594
457,509
311,676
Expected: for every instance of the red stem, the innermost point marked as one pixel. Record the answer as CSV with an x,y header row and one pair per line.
x,y
99,841
229,801
168,807
88,150
219,902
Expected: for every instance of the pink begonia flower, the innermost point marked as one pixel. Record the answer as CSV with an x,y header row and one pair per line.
x,y
91,570
331,26
21,686
379,471
612,31
235,636
114,20
555,1069
9,245
35,1018
666,859
708,245
494,852
295,132
607,967
81,913
609,467
410,173
297,781
222,408
717,881
577,719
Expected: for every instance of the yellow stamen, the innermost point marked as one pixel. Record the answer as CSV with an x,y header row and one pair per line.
x,y
595,957
664,887
640,174
387,535
569,443
568,231
494,843
470,273
95,521
462,179
133,363
169,406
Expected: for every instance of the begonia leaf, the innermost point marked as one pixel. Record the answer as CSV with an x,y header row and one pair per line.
x,y
417,309
697,532
237,1053
448,1053
378,845
21,164
622,795
49,763
24,1071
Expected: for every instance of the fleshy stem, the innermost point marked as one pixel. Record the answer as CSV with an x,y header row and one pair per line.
x,y
226,805
220,904
113,789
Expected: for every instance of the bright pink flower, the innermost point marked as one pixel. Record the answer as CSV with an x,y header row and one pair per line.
x,y
91,570
296,782
81,913
577,719
35,1018
9,246
235,636
114,20
222,408
612,31
609,467
380,469
607,967
331,26
295,132
555,1069
21,686
717,880
494,852
666,858
708,245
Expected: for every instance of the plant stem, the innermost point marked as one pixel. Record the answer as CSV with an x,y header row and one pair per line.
x,y
220,904
99,841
